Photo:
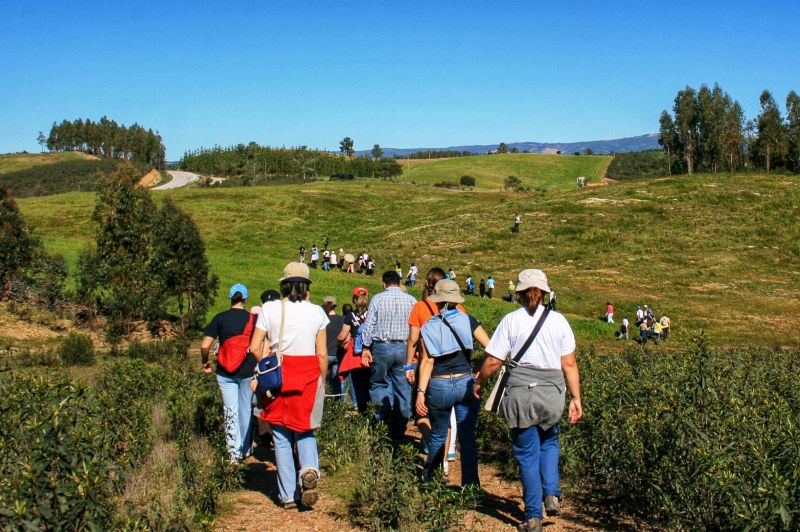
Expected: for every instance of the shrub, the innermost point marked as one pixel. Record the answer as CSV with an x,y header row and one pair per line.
x,y
446,184
77,350
637,165
164,352
513,182
467,181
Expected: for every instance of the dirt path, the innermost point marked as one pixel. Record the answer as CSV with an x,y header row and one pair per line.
x,y
256,508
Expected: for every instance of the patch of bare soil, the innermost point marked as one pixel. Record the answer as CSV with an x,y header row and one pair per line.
x,y
150,179
608,201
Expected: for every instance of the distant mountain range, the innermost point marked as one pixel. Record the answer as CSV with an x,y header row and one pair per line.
x,y
599,147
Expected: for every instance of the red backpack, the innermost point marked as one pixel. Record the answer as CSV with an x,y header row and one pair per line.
x,y
234,350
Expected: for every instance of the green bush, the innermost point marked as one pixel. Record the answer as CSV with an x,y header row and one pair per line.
x,y
637,165
706,439
161,351
467,181
76,350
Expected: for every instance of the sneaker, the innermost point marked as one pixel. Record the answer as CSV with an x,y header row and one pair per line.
x,y
289,505
535,525
551,506
309,494
451,457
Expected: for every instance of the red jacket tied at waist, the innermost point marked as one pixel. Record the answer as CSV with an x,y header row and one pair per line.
x,y
299,404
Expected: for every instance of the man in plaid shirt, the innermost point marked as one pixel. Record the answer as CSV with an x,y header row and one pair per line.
x,y
384,334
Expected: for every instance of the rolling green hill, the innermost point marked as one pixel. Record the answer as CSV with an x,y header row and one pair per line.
x,y
537,171
14,162
714,252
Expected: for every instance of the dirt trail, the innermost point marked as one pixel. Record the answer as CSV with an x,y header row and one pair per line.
x,y
256,508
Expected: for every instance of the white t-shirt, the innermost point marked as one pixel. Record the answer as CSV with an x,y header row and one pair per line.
x,y
555,338
333,258
302,323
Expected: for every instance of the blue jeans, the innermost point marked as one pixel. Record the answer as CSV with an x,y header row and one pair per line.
x,y
389,386
326,266
333,377
442,396
237,398
288,476
536,451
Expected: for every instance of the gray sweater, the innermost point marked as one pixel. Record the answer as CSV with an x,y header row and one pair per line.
x,y
534,396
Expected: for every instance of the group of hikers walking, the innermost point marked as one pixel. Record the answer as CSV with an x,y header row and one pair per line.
x,y
405,356
648,326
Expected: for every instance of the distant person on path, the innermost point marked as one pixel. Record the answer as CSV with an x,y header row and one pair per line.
x,y
533,411
326,259
656,328
335,353
342,259
581,182
490,287
665,323
352,364
314,256
413,271
398,269
517,221
551,303
609,312
371,267
296,412
446,380
470,285
332,260
511,290
451,275
235,365
639,315
385,333
303,254
623,329
350,260
482,288
643,332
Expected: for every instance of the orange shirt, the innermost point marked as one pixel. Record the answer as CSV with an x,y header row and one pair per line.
x,y
425,310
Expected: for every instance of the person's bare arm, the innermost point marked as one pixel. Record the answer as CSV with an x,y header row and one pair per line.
x,y
258,343
344,333
569,365
205,349
322,352
411,351
425,370
489,367
480,335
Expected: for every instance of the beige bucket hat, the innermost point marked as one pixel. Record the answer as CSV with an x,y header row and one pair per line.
x,y
296,272
532,278
446,291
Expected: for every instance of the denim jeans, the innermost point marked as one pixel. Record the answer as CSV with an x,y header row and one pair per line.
x,y
237,398
288,476
536,451
389,386
333,377
444,395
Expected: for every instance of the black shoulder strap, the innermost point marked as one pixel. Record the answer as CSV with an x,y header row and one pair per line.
x,y
530,339
430,307
458,338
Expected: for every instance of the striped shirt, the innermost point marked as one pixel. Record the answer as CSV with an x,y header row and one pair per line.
x,y
387,317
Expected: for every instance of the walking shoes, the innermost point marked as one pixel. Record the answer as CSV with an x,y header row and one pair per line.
x,y
551,506
309,494
534,525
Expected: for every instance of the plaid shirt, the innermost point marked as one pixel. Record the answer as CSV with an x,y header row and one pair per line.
x,y
387,317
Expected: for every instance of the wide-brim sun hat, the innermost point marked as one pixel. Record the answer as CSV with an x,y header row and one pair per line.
x,y
238,287
446,291
532,278
296,272
329,299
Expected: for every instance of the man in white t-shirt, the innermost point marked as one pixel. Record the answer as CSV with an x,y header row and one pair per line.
x,y
534,430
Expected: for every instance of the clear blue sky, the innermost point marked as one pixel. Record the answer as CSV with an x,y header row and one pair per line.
x,y
400,74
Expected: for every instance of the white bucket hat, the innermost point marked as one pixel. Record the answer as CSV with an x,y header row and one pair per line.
x,y
532,278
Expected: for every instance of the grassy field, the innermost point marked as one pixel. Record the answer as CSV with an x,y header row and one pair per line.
x,y
13,162
716,253
536,171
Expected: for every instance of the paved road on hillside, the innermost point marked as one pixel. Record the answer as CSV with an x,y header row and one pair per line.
x,y
179,179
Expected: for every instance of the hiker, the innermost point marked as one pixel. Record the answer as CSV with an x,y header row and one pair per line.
x,y
422,311
643,332
341,263
314,256
482,288
470,285
332,260
412,275
350,262
384,335
656,331
302,254
665,323
295,329
446,380
609,312
623,329
511,290
371,267
639,315
581,181
352,365
326,259
551,303
335,351
517,221
266,295
534,400
490,287
451,275
235,365
648,313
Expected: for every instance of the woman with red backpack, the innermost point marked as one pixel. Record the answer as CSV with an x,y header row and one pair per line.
x,y
235,364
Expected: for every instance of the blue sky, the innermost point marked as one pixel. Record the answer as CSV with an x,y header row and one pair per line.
x,y
400,74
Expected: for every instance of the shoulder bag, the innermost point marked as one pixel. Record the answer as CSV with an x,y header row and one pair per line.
x,y
499,390
268,372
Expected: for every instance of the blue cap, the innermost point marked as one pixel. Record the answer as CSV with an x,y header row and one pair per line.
x,y
238,287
